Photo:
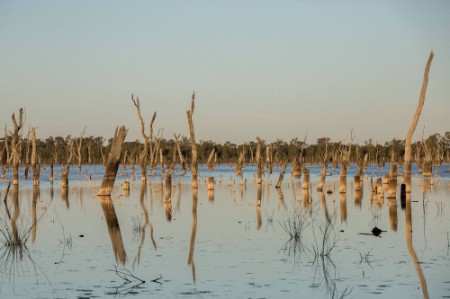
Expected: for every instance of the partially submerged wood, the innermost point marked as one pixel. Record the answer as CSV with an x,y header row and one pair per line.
x,y
34,159
16,141
392,188
259,164
413,125
113,162
194,162
147,140
280,179
180,154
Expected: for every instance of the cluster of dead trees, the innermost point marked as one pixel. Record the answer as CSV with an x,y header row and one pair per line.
x,y
20,149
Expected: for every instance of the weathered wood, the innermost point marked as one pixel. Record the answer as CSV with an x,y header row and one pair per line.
x,y
413,125
280,178
180,154
194,162
392,188
147,140
16,140
113,162
259,164
34,159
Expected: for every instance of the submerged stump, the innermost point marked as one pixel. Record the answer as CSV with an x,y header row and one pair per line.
x,y
113,162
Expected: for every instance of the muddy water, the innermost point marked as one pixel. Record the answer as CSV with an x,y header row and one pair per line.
x,y
223,243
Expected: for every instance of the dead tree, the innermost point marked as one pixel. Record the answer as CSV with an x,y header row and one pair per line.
x,y
323,171
259,164
269,158
147,139
27,156
280,178
66,169
34,159
16,141
344,163
239,165
413,125
78,145
194,162
210,163
180,154
114,158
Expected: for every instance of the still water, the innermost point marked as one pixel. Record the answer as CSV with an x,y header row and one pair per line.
x,y
222,243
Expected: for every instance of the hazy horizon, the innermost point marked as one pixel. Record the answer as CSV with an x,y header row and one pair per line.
x,y
258,68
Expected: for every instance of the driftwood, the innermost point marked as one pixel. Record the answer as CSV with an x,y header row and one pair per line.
x,y
113,162
194,162
413,125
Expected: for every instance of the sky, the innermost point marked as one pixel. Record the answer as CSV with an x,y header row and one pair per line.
x,y
273,69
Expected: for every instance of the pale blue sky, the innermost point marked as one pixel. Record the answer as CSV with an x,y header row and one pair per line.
x,y
267,68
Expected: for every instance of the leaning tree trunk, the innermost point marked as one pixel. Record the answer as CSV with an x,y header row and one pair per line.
x,y
323,174
412,127
194,162
280,179
113,162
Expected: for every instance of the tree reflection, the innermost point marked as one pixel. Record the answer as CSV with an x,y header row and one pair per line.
x,y
409,244
113,228
193,232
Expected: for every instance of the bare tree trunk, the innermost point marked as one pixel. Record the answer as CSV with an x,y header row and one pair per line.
x,y
180,154
323,175
113,162
280,179
413,125
147,139
16,141
259,164
51,177
34,165
194,162
392,188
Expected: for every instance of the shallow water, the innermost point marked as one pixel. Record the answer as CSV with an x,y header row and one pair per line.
x,y
224,244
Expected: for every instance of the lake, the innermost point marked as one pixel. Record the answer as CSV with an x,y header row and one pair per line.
x,y
224,243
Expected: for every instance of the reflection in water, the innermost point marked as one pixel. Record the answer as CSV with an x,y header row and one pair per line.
x,y
65,196
281,202
343,206
113,228
36,194
324,206
194,231
258,206
393,218
409,244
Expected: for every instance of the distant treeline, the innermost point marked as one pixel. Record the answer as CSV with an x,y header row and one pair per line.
x,y
94,150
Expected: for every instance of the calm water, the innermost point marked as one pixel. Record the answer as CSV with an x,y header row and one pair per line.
x,y
223,244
